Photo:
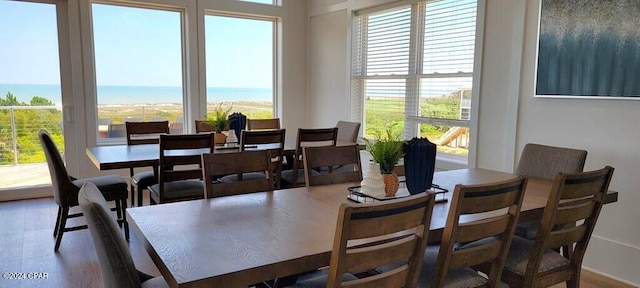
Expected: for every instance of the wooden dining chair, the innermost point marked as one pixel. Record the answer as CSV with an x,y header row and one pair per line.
x,y
180,172
255,161
319,163
144,133
66,189
545,162
262,124
204,126
479,230
575,198
116,264
306,138
390,232
271,140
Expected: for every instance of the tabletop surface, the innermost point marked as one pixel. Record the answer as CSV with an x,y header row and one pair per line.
x,y
240,240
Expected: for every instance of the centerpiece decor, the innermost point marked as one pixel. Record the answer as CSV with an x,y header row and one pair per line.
x,y
386,150
220,122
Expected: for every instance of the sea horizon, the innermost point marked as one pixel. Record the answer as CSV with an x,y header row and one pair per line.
x,y
114,94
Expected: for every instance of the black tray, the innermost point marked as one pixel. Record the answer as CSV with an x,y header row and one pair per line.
x,y
356,194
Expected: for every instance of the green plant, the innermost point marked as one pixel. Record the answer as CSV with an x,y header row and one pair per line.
x,y
220,118
385,148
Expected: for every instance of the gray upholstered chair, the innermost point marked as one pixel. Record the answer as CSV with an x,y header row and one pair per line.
x,y
542,161
66,188
575,198
348,131
116,263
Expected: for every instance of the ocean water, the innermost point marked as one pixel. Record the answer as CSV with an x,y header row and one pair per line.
x,y
108,95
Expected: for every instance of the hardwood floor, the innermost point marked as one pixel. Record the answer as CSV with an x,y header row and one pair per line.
x,y
26,238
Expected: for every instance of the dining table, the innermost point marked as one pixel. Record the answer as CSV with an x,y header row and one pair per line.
x,y
236,241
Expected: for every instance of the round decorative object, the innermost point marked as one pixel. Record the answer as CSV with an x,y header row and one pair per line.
x,y
372,182
391,184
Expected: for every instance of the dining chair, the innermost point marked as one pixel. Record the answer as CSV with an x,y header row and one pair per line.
x,y
116,264
144,133
261,124
256,161
387,233
66,189
319,163
180,172
544,162
203,126
274,142
575,198
348,131
306,138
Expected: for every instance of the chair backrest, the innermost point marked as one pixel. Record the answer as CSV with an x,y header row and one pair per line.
x,y
574,197
116,263
501,202
116,131
261,124
216,165
409,217
60,180
204,126
323,159
146,132
308,138
180,157
275,137
541,161
348,131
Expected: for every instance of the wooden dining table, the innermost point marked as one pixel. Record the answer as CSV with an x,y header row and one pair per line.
x,y
240,240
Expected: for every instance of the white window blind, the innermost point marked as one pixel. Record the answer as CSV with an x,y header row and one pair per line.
x,y
413,64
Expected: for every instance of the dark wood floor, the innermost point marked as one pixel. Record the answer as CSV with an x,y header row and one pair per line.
x,y
26,246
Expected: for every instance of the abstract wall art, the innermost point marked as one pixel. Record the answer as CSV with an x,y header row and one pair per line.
x,y
589,49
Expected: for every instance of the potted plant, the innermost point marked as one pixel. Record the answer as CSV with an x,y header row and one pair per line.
x,y
386,150
220,122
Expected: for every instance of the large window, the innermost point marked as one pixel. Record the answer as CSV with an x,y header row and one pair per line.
x,y
138,56
413,65
240,62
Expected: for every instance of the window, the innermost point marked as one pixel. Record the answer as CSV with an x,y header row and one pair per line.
x,y
413,65
240,64
138,56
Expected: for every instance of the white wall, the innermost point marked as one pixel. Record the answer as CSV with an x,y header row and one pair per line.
x,y
510,117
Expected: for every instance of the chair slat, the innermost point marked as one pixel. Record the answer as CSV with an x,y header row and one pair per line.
x,y
565,236
361,259
574,213
483,228
476,255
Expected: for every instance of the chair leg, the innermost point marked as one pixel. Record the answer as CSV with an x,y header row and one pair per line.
x,y
63,222
55,229
132,189
124,219
119,211
139,197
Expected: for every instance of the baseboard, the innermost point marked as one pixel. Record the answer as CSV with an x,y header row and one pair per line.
x,y
40,191
613,259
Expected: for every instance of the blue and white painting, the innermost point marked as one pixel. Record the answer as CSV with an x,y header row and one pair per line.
x,y
589,48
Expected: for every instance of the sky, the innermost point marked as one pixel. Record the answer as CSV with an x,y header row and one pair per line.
x,y
134,47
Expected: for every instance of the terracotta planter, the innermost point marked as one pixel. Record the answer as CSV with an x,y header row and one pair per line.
x,y
391,184
219,138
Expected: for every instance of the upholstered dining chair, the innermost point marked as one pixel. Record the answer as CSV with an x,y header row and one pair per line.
x,y
180,172
575,198
348,131
203,126
238,163
274,142
542,161
144,133
377,225
306,138
116,264
319,163
262,124
66,188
